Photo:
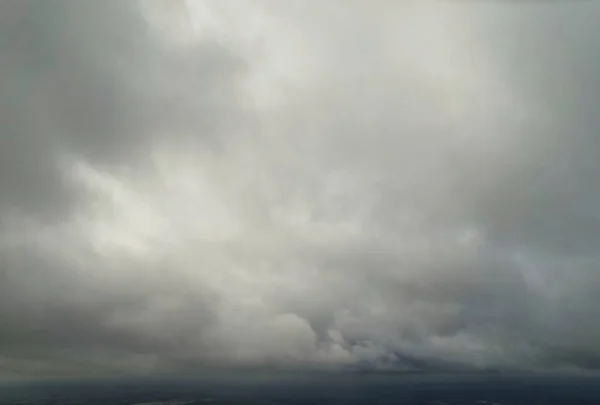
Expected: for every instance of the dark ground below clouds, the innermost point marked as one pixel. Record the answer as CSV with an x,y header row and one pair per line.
x,y
324,389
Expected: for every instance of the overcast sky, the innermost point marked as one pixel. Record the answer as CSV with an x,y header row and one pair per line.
x,y
299,184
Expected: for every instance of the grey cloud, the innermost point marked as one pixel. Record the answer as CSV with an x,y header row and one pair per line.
x,y
551,205
89,78
407,190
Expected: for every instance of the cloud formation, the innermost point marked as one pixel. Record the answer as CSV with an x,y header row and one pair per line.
x,y
200,184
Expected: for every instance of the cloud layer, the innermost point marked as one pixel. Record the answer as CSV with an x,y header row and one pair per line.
x,y
206,184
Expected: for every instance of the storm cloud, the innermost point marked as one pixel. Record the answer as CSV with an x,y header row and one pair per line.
x,y
301,184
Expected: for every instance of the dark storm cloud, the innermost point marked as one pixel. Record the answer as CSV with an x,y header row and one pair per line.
x,y
325,185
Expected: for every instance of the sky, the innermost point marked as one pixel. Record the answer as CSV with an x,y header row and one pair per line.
x,y
302,185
